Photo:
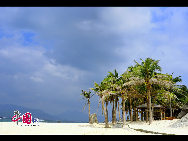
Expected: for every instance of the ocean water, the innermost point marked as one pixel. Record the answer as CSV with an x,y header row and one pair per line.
x,y
40,120
5,120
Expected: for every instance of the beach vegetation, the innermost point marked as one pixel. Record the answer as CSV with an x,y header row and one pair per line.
x,y
140,84
86,96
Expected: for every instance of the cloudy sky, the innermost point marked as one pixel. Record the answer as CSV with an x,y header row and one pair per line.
x,y
47,55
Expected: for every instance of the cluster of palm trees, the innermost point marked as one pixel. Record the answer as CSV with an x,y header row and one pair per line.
x,y
139,84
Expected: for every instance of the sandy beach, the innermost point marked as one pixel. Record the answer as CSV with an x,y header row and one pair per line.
x,y
157,127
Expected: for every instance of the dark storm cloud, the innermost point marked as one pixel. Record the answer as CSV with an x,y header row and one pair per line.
x,y
75,36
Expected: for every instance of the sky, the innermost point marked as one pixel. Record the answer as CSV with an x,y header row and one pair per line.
x,y
49,54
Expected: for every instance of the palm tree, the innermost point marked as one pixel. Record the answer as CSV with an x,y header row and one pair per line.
x,y
87,95
167,85
140,83
181,92
108,91
132,85
147,69
102,91
113,83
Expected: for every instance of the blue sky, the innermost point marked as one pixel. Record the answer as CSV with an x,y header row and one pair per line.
x,y
47,55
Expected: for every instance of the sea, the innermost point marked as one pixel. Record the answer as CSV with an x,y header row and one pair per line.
x,y
6,119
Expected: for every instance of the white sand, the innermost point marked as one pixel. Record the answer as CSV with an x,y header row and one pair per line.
x,y
161,126
87,129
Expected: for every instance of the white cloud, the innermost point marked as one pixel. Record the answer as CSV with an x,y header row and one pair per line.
x,y
37,79
127,20
55,70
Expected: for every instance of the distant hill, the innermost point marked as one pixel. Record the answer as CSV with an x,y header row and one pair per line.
x,y
7,110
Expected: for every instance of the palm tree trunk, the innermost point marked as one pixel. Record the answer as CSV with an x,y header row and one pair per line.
x,y
116,100
89,110
127,114
105,110
148,86
112,112
106,115
123,109
147,109
119,113
102,108
170,108
131,115
142,115
134,114
153,111
134,110
150,112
